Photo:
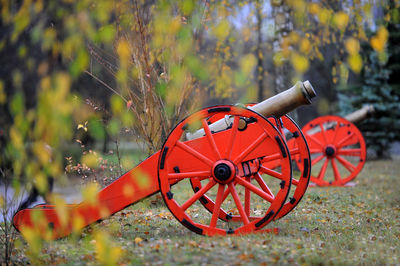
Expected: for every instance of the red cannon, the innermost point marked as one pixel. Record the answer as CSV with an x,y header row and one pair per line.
x,y
212,171
337,147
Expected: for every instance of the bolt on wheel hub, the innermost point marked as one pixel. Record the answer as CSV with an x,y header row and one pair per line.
x,y
223,171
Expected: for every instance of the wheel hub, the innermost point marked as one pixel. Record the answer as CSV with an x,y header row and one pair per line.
x,y
330,151
223,171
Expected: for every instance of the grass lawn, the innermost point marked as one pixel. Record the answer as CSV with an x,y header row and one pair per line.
x,y
335,225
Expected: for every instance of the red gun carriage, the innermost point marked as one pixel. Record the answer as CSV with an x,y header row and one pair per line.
x,y
216,173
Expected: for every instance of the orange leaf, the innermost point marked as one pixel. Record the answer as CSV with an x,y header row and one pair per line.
x,y
129,104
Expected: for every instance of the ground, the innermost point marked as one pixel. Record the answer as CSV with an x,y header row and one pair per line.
x,y
332,225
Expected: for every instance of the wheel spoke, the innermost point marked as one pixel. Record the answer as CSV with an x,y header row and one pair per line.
x,y
349,166
250,148
239,206
315,140
181,176
294,151
317,159
226,193
336,130
255,189
198,194
342,142
295,181
210,139
262,184
323,169
336,172
270,172
273,157
217,206
172,181
247,198
312,151
193,152
234,130
323,132
350,152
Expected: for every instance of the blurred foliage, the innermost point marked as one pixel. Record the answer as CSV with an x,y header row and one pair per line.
x,y
379,86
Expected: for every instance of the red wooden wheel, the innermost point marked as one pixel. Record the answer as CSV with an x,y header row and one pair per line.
x,y
337,143
299,154
222,163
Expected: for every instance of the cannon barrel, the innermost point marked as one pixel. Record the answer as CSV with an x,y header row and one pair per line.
x,y
300,94
360,114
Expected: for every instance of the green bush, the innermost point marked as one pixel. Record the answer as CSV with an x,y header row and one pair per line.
x,y
379,86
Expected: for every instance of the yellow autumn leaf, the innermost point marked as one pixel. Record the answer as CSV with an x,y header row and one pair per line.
x,y
90,160
247,63
2,202
175,25
104,211
106,251
324,16
313,8
78,223
89,193
16,138
142,179
341,20
299,62
42,151
378,41
117,104
383,33
123,49
128,191
116,253
355,62
352,45
61,209
377,44
41,182
83,126
31,235
221,31
138,240
305,46
124,54
278,59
